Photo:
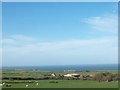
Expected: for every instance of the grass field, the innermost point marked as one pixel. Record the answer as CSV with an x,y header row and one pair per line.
x,y
46,83
30,73
66,84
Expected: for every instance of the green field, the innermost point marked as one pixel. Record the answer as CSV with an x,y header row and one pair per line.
x,y
61,83
66,84
39,73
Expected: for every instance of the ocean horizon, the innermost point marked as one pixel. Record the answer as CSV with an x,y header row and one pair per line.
x,y
66,67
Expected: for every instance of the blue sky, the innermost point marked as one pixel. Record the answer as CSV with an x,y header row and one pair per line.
x,y
59,33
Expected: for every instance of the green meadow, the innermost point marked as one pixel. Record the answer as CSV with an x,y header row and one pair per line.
x,y
66,84
47,82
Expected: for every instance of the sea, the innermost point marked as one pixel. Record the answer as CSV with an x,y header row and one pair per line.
x,y
66,67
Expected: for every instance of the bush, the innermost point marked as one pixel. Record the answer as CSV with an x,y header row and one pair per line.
x,y
103,76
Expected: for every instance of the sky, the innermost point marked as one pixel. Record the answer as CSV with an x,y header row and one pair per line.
x,y
0,34
60,0
38,34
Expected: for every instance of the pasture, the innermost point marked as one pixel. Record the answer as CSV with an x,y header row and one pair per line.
x,y
66,84
38,76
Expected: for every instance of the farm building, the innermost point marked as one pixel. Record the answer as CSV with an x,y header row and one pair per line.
x,y
72,75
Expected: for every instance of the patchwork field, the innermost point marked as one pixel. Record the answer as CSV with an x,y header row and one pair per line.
x,y
13,77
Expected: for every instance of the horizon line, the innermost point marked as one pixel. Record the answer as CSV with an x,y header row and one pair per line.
x,y
57,65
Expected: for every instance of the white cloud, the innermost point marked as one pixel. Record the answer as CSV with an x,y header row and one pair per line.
x,y
8,41
84,51
17,40
20,48
22,38
74,43
107,23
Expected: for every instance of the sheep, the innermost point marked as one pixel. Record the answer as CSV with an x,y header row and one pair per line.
x,y
29,81
1,84
36,83
26,85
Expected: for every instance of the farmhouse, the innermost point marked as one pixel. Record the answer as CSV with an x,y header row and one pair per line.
x,y
72,75
53,74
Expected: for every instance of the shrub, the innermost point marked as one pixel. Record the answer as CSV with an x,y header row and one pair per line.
x,y
103,76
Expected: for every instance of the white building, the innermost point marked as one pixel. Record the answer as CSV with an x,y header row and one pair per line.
x,y
53,74
72,75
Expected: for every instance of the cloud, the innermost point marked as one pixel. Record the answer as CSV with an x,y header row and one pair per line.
x,y
106,23
22,38
61,52
21,49
26,41
17,40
